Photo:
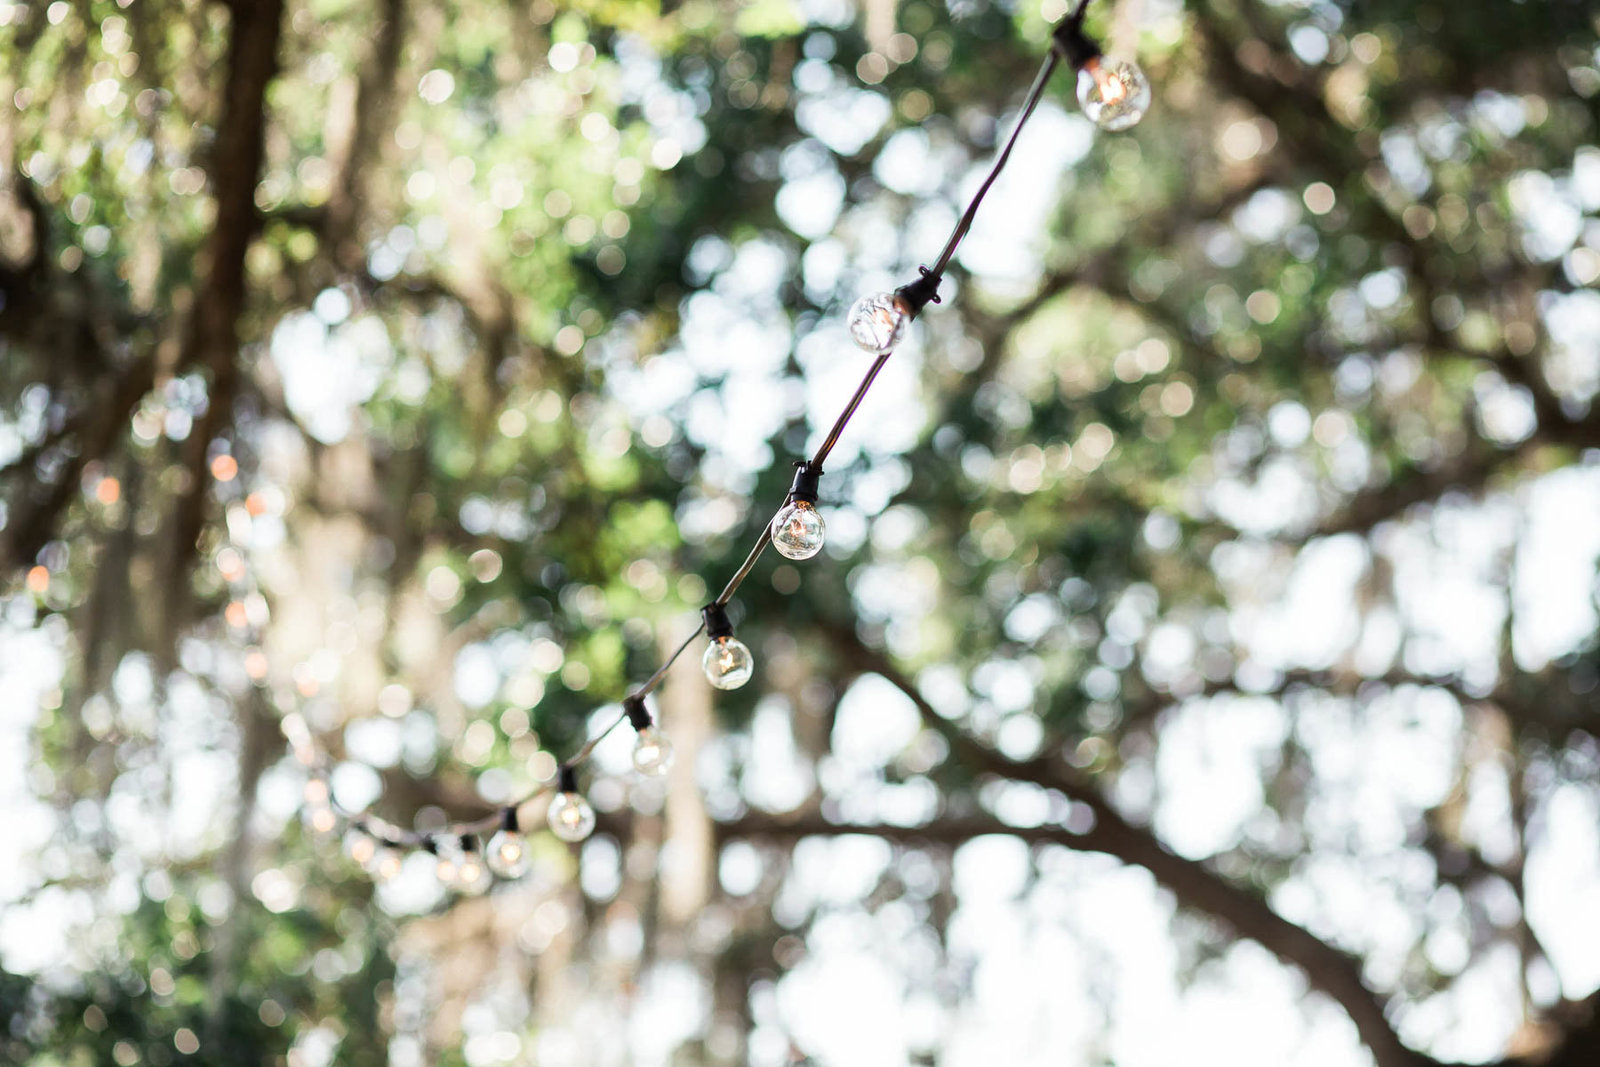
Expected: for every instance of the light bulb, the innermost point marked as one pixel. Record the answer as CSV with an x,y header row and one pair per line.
x,y
472,874
571,818
386,865
652,753
879,322
360,847
321,820
798,530
728,663
445,867
508,854
1114,93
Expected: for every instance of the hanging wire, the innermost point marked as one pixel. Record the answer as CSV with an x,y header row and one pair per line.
x,y
919,293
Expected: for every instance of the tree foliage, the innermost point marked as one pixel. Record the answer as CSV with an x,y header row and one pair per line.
x,y
1247,468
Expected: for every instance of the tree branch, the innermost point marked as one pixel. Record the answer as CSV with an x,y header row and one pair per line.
x,y
212,340
1330,971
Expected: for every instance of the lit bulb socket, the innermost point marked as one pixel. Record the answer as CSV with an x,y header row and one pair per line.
x,y
638,715
807,482
1074,46
914,296
716,620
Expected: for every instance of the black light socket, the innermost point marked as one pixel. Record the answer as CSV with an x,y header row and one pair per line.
x,y
1075,46
508,820
807,481
567,780
638,714
716,619
469,842
920,293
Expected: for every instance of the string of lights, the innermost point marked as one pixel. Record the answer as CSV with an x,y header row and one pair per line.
x,y
469,855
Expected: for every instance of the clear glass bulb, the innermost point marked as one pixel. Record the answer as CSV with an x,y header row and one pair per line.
x,y
472,874
571,818
321,820
798,530
1114,93
507,855
446,868
386,865
728,663
652,752
360,848
878,323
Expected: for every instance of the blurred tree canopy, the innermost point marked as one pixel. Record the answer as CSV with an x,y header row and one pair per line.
x,y
1235,517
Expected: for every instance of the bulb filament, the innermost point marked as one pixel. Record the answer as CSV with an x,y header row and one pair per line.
x,y
1113,90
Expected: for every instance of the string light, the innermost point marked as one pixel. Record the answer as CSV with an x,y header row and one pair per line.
x,y
472,872
507,855
445,867
797,528
386,865
570,816
878,322
1115,94
652,752
727,660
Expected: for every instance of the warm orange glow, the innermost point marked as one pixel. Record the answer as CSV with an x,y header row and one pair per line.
x,y
231,565
224,468
255,664
1113,90
235,614
109,491
255,504
38,580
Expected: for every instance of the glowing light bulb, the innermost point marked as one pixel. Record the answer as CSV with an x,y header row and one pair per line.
x,y
571,818
472,873
1114,93
321,820
798,530
360,848
652,753
445,867
386,865
728,663
508,854
878,323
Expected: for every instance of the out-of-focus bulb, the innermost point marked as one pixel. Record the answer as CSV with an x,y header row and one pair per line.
x,y
652,752
472,874
728,663
508,854
386,864
360,848
321,820
798,530
878,323
571,818
445,867
1114,93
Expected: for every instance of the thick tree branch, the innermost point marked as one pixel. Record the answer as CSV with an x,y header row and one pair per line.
x,y
212,341
1195,886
